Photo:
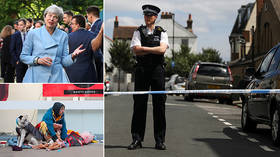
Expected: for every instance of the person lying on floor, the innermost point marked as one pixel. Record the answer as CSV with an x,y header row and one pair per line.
x,y
52,122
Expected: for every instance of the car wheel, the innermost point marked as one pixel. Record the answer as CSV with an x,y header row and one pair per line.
x,y
275,127
190,97
185,97
221,101
246,122
229,102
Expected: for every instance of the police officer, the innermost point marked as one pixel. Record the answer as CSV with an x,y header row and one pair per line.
x,y
149,44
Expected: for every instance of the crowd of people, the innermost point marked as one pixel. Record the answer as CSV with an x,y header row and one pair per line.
x,y
61,48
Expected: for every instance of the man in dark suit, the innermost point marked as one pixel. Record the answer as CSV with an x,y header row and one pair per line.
x,y
67,17
83,70
96,22
17,40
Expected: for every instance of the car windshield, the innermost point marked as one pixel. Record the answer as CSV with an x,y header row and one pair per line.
x,y
213,70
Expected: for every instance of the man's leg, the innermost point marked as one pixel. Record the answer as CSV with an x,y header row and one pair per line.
x,y
20,71
9,74
158,84
138,123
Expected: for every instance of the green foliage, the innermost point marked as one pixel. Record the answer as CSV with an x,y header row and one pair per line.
x,y
210,55
15,9
184,60
121,56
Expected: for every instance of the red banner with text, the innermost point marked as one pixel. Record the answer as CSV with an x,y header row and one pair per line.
x,y
73,90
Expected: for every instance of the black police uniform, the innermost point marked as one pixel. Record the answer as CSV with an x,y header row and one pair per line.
x,y
149,73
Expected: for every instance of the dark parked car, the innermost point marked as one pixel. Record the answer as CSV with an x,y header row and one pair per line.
x,y
264,108
207,75
249,72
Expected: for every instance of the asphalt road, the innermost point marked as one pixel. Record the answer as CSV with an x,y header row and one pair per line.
x,y
200,128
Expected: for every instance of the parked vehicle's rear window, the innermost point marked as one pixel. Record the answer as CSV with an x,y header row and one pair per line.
x,y
213,70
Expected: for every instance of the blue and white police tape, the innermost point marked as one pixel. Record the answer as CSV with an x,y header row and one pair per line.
x,y
216,91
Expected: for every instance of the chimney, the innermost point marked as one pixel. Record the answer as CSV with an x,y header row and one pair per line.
x,y
166,15
116,23
189,23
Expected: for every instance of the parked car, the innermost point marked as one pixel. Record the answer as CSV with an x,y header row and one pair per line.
x,y
264,108
207,75
249,71
247,78
175,82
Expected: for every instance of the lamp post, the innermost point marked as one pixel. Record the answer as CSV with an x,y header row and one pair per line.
x,y
253,45
173,20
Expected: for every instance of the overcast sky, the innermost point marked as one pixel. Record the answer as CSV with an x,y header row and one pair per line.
x,y
212,19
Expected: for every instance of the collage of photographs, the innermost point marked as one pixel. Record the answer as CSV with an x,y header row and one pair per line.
x,y
139,78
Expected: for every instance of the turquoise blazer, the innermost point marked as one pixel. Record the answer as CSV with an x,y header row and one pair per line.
x,y
39,43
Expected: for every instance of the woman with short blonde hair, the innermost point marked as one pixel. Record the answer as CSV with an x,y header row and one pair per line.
x,y
6,31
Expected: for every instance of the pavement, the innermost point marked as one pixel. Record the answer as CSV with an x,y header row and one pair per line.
x,y
91,150
84,151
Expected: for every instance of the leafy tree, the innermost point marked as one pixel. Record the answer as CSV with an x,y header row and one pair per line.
x,y
121,57
183,62
210,55
14,9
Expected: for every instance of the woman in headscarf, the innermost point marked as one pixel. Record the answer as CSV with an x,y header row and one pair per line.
x,y
53,122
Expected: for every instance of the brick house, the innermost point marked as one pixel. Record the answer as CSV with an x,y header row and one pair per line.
x,y
265,17
268,24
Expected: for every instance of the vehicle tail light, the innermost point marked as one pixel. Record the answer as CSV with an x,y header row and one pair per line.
x,y
230,74
195,72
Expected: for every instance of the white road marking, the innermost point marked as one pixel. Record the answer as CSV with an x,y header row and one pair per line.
x,y
252,140
212,107
266,148
171,104
227,123
242,133
233,127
